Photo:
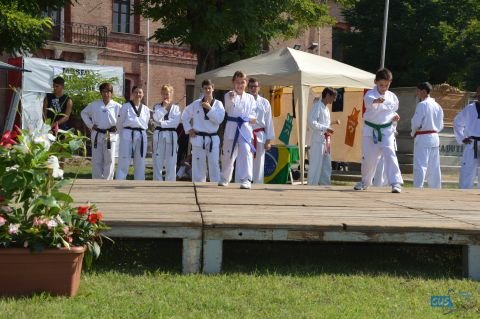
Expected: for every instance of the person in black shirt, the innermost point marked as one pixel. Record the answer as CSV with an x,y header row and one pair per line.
x,y
57,106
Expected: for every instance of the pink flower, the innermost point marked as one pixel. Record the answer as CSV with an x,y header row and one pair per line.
x,y
2,221
13,228
51,224
38,221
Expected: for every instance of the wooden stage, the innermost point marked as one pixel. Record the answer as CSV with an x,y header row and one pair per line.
x,y
204,215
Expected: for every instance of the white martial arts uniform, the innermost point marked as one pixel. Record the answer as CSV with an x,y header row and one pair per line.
x,y
381,140
133,124
206,144
427,122
319,158
467,124
165,140
241,109
262,131
104,138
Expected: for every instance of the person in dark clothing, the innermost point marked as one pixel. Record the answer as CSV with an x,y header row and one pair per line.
x,y
57,106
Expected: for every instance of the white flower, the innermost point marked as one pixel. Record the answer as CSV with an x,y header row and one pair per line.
x,y
13,228
54,165
12,168
59,220
22,148
6,209
43,136
51,224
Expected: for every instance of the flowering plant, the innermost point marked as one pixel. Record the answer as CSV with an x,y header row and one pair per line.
x,y
35,212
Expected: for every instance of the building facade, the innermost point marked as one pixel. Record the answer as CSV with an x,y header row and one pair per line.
x,y
107,33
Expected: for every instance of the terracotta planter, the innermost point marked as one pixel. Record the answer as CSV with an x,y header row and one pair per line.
x,y
55,271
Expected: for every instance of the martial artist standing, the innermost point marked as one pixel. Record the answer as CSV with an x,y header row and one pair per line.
x,y
319,157
133,124
201,121
238,135
263,132
427,122
101,118
379,134
166,117
467,131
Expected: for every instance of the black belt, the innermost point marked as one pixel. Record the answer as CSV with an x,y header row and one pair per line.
x,y
107,131
138,129
475,147
203,134
166,129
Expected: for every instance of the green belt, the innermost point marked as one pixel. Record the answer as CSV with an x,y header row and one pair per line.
x,y
377,128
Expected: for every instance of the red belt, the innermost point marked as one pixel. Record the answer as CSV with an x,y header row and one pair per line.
x,y
327,143
255,131
424,132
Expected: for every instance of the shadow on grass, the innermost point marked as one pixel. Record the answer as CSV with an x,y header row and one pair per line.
x,y
140,256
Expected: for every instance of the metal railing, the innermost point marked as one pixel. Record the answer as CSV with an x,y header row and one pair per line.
x,y
80,33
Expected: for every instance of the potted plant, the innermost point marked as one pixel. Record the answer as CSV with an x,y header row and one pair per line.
x,y
38,220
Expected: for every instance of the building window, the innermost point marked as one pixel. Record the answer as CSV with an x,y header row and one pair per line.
x,y
123,16
189,91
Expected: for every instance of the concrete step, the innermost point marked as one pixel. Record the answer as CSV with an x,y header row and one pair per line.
x,y
445,169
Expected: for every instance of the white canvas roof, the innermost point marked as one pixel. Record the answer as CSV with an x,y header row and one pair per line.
x,y
289,67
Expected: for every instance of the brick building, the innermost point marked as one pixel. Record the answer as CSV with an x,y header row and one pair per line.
x,y
106,33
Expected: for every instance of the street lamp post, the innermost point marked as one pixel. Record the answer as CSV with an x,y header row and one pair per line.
x,y
384,36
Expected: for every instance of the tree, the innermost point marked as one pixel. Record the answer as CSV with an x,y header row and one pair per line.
x,y
435,40
23,29
223,31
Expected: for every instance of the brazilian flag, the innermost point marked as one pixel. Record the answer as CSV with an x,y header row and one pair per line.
x,y
278,161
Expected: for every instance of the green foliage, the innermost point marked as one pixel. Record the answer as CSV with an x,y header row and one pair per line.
x,y
23,29
435,40
83,88
34,211
221,32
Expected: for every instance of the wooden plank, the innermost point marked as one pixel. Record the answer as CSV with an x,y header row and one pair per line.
x,y
144,231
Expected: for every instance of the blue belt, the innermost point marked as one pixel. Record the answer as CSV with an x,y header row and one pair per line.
x,y
240,121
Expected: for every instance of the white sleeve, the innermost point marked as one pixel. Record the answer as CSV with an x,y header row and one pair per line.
x,y
418,117
217,113
459,126
187,117
87,115
173,118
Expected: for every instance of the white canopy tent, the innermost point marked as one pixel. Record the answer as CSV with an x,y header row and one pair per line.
x,y
289,67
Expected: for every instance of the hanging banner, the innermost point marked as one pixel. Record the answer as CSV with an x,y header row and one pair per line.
x,y
286,130
352,123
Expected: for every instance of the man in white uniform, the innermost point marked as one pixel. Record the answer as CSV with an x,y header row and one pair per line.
x,y
263,132
379,134
319,157
201,120
238,135
467,131
427,122
133,124
101,118
166,117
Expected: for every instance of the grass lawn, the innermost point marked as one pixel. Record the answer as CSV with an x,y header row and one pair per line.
x,y
142,279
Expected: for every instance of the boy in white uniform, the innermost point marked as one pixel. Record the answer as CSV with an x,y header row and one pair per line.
x,y
166,117
467,131
319,158
427,122
133,124
101,118
379,134
201,121
238,135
